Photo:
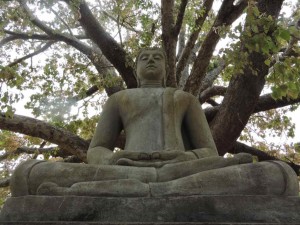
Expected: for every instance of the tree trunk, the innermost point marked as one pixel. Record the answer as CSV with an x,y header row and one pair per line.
x,y
243,91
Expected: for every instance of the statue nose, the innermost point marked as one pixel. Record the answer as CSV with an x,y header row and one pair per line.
x,y
151,59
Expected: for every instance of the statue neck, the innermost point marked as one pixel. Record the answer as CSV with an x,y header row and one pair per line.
x,y
151,84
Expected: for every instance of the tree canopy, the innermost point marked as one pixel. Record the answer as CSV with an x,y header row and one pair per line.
x,y
68,55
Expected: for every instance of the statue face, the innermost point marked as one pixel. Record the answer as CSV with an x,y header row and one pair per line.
x,y
151,65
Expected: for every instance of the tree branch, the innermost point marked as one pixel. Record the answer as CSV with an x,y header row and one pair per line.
x,y
212,102
102,65
6,40
261,155
181,41
61,19
192,39
264,103
185,73
71,40
109,47
128,27
228,13
42,49
180,16
42,145
289,50
37,128
169,39
54,151
210,92
88,93
26,36
211,76
92,90
36,21
94,54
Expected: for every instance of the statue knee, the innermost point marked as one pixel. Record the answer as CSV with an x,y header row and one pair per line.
x,y
290,184
19,185
91,156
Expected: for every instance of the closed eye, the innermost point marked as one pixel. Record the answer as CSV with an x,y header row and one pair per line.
x,y
158,56
144,57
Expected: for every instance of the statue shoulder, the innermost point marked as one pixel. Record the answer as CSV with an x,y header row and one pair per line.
x,y
124,95
184,96
121,94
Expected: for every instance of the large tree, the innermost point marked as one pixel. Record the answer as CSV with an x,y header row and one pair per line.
x,y
67,54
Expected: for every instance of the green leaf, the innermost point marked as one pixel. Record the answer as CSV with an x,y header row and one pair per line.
x,y
283,87
256,11
285,35
254,28
267,62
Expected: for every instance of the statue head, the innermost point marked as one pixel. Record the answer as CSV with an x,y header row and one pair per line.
x,y
150,66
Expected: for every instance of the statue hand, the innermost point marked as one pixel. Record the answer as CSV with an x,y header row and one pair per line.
x,y
136,156
174,156
143,163
157,159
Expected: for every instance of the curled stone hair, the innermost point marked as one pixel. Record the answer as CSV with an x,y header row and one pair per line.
x,y
136,61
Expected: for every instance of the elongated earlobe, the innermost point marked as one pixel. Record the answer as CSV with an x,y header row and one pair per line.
x,y
138,82
164,82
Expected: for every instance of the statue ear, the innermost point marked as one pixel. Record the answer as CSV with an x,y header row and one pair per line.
x,y
164,83
138,82
137,79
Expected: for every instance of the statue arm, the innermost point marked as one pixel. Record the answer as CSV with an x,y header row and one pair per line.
x,y
108,129
199,131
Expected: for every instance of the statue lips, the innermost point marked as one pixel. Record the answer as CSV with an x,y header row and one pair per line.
x,y
151,66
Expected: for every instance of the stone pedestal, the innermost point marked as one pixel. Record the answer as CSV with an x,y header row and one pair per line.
x,y
218,209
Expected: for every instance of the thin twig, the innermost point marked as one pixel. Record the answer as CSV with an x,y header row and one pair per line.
x,y
61,19
42,49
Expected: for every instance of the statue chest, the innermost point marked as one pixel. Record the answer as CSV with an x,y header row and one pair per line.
x,y
142,108
142,119
151,120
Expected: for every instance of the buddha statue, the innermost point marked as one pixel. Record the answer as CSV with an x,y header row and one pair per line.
x,y
169,151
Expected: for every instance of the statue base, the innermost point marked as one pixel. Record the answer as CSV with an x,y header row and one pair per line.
x,y
197,208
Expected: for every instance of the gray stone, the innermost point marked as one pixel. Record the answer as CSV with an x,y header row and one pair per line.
x,y
213,209
129,223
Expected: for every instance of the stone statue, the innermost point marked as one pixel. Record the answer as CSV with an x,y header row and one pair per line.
x,y
169,150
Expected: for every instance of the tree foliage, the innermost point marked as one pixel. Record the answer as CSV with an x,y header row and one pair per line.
x,y
68,55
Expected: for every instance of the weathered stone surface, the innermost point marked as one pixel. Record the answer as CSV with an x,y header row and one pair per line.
x,y
219,209
129,223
